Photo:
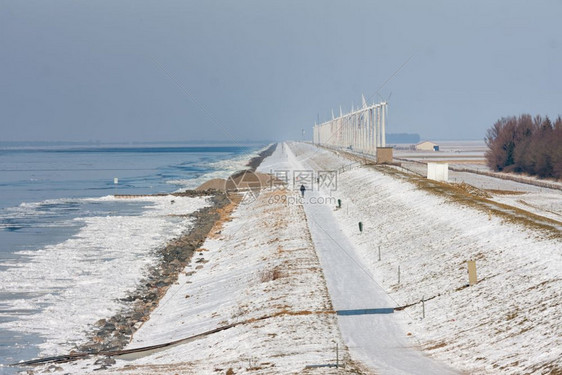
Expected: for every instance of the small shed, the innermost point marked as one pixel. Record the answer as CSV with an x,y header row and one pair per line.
x,y
384,155
427,146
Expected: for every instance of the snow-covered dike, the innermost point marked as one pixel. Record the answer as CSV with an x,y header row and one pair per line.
x,y
260,270
509,322
365,313
259,277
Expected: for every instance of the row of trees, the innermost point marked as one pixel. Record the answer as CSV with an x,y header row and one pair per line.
x,y
526,144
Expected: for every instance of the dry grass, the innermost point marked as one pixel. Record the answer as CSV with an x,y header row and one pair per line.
x,y
548,368
469,189
225,215
504,192
469,196
465,161
270,275
435,346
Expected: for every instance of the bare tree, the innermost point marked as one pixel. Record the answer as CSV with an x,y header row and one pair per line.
x,y
526,144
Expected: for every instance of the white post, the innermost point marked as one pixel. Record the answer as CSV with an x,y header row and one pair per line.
x,y
361,119
373,132
378,109
383,130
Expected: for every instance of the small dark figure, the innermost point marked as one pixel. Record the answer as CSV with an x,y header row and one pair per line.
x,y
302,190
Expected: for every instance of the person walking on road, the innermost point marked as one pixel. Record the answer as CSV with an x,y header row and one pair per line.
x,y
302,190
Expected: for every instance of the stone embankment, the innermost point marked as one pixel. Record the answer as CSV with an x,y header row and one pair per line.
x,y
116,332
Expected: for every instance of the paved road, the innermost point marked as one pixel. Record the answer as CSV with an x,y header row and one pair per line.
x,y
373,337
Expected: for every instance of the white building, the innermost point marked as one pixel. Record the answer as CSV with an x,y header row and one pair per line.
x,y
427,146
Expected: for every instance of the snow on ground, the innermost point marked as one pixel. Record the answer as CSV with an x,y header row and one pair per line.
x,y
462,152
486,182
365,317
261,271
65,288
510,322
482,181
465,157
547,203
526,196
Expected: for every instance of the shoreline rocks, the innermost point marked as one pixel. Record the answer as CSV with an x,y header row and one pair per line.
x,y
115,333
254,162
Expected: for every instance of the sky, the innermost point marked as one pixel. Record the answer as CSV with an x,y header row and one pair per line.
x,y
137,70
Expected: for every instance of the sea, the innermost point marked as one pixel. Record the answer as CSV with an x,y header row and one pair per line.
x,y
69,249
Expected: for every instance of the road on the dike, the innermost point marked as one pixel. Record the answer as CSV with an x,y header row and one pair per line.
x,y
365,316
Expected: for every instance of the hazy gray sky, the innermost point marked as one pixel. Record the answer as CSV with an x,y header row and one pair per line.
x,y
178,70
